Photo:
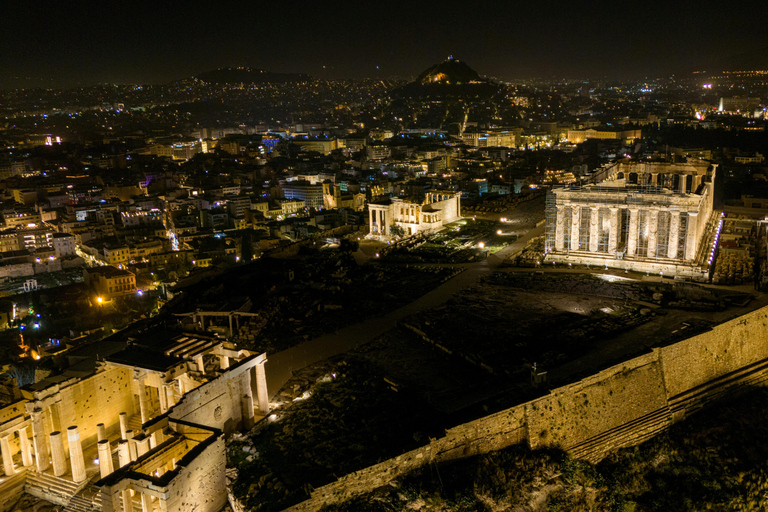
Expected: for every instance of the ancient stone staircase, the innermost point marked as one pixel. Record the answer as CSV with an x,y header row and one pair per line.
x,y
13,485
134,423
51,488
87,500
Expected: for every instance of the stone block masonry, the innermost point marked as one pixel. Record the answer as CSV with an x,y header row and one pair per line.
x,y
618,407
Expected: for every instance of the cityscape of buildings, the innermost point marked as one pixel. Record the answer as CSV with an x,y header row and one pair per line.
x,y
189,271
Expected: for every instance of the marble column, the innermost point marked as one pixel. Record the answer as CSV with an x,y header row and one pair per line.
x,y
674,233
146,503
223,362
5,450
682,183
560,230
127,500
40,441
123,452
58,455
163,397
54,411
655,179
385,221
690,236
632,235
76,454
143,406
262,397
131,444
123,425
653,231
593,228
370,219
101,432
169,394
697,179
613,235
26,448
105,458
575,224
200,364
246,402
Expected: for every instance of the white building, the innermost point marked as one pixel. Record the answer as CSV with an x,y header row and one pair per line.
x,y
438,208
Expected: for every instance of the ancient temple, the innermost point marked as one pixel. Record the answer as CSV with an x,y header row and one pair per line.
x,y
414,215
650,217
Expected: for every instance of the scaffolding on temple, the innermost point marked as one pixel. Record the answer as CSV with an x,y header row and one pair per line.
x,y
550,217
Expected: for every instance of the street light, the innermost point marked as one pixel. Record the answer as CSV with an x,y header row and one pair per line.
x,y
99,300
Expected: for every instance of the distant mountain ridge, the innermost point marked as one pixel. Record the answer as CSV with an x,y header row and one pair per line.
x,y
250,76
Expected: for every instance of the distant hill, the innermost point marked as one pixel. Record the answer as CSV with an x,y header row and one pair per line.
x,y
250,76
449,79
450,71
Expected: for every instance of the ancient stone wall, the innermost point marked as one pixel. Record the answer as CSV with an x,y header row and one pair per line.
x,y
726,348
621,406
99,398
219,403
199,486
597,404
215,404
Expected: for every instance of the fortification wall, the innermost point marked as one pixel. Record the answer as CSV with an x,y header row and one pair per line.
x,y
726,348
571,414
621,406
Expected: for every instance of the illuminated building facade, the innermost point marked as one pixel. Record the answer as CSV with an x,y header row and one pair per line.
x,y
142,430
438,208
647,217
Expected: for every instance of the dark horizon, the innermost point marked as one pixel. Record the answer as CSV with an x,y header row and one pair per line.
x,y
74,44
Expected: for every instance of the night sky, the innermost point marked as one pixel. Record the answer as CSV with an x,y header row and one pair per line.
x,y
68,43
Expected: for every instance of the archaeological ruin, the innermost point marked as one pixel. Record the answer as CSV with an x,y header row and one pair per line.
x,y
141,429
652,217
414,216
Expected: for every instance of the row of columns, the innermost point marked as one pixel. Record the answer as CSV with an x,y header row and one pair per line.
x,y
696,180
165,394
632,232
129,449
202,315
59,457
7,453
380,218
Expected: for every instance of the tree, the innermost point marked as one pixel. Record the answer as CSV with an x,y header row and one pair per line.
x,y
397,231
348,246
23,372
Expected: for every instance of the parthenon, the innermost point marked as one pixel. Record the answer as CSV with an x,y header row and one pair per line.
x,y
649,217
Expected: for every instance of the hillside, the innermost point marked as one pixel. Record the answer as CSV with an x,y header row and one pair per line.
x,y
713,461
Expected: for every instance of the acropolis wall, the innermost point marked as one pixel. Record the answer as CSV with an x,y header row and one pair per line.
x,y
621,406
